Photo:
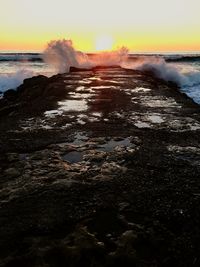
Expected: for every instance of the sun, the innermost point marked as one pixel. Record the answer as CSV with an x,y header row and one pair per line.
x,y
104,43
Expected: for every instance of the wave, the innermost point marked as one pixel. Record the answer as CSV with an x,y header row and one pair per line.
x,y
20,57
191,86
158,67
62,55
188,81
182,58
170,58
12,81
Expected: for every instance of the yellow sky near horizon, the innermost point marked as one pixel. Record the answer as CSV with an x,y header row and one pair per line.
x,y
141,25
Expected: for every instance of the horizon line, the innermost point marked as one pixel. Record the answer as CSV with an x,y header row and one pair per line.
x,y
93,52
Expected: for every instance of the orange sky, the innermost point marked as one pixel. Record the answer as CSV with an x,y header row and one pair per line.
x,y
141,25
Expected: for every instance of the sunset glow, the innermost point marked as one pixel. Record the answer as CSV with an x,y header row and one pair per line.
x,y
142,26
104,42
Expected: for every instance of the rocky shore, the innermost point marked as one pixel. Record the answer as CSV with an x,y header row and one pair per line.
x,y
99,168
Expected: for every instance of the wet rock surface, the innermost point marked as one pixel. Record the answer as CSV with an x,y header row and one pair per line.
x,y
99,168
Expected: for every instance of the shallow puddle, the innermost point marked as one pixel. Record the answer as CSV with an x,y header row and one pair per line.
x,y
114,81
116,75
86,81
155,118
195,127
141,89
105,87
52,113
67,125
46,127
32,124
80,88
96,114
75,95
80,119
73,157
93,119
79,138
112,144
155,102
95,79
141,124
73,105
189,154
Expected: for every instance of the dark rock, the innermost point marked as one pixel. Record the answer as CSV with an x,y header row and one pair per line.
x,y
6,110
120,190
13,157
10,94
12,172
34,81
32,88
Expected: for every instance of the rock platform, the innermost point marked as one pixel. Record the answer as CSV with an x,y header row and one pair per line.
x,y
99,168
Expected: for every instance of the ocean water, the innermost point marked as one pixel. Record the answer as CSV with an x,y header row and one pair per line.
x,y
189,67
15,67
183,69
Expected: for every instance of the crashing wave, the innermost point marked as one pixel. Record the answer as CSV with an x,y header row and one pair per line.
x,y
62,55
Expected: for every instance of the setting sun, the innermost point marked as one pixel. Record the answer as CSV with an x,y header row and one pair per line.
x,y
104,42
142,26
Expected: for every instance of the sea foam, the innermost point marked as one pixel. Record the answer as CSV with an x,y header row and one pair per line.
x,y
62,55
13,80
187,79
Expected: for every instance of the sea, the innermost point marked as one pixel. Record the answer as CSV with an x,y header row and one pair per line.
x,y
183,69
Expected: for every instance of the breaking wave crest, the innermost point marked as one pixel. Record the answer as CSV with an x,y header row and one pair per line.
x,y
62,55
11,81
188,79
158,67
165,71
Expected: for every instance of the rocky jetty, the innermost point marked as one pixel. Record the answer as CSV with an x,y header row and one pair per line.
x,y
99,168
